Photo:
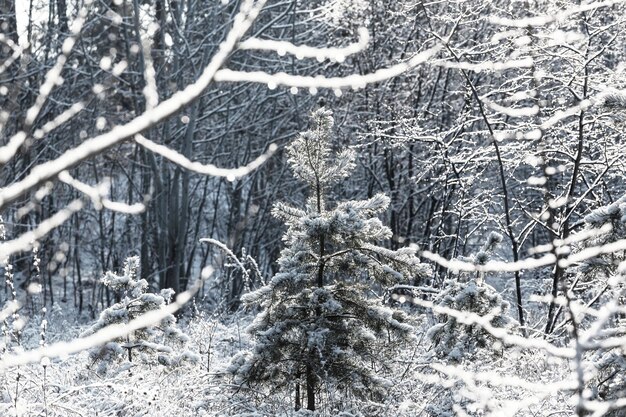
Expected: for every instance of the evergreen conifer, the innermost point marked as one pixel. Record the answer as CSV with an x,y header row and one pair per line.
x,y
163,343
320,322
453,340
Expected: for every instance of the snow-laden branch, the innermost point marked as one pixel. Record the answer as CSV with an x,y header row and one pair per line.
x,y
548,259
610,97
9,309
205,169
497,379
111,332
49,170
502,334
25,240
62,118
592,252
17,52
305,51
52,79
150,90
569,112
561,16
511,111
314,82
457,265
574,238
503,408
99,195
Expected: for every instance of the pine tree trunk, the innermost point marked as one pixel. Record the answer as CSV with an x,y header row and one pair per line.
x,y
298,405
310,388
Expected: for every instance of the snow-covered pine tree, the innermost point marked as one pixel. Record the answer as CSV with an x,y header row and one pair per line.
x,y
163,343
319,324
600,280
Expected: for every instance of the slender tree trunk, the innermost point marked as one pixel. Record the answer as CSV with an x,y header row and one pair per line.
x,y
565,223
79,285
310,388
310,374
62,15
298,404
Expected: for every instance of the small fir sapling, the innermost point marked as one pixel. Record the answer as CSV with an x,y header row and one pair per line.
x,y
453,340
320,325
163,343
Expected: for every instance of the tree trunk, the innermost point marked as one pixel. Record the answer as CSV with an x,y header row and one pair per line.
x,y
62,14
298,404
310,388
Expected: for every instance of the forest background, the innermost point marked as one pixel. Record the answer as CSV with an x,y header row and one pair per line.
x,y
494,128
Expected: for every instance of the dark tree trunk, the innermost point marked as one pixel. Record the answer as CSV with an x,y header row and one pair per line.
x,y
310,388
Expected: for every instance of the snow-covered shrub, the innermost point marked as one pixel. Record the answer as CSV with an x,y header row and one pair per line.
x,y
609,384
453,340
163,343
596,282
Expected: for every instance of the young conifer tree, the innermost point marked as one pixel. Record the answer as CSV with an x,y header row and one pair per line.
x,y
602,280
454,341
319,324
163,343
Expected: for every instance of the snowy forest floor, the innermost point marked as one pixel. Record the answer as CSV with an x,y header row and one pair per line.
x,y
513,382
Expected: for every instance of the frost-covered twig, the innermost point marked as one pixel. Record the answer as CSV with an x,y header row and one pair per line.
x,y
228,252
